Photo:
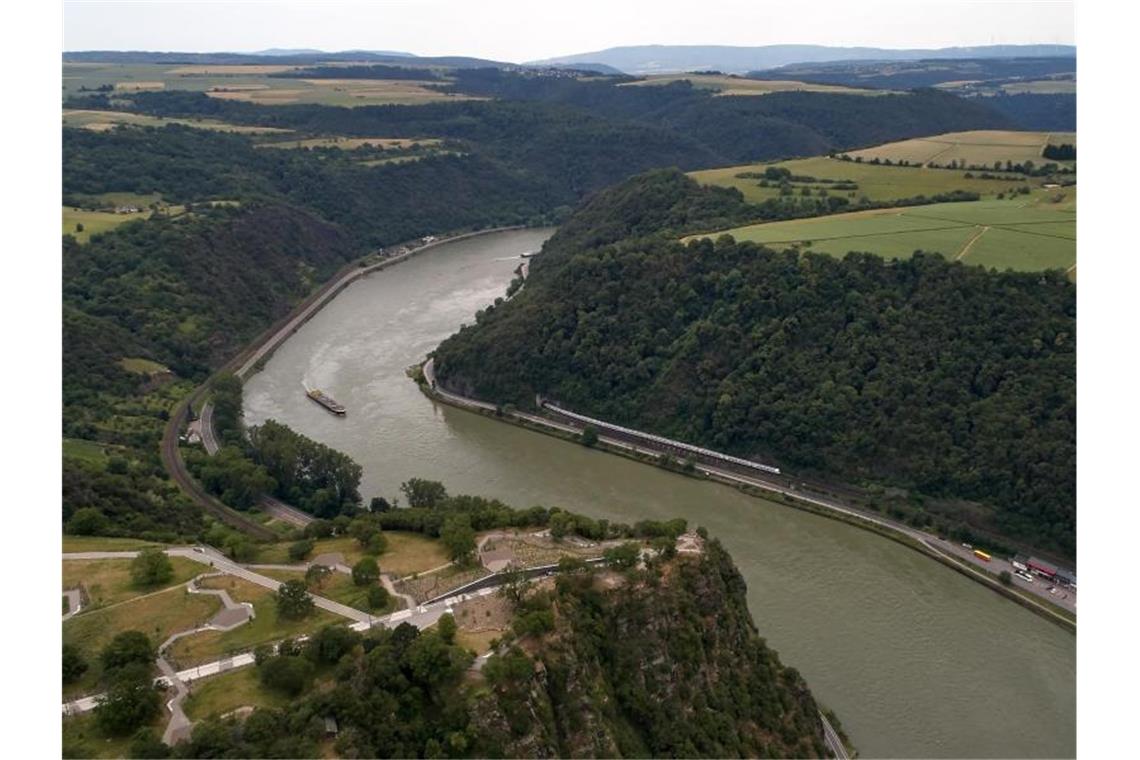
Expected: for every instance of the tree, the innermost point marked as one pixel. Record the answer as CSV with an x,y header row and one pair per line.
x,y
1005,577
316,575
293,600
379,504
301,549
288,675
589,435
365,572
378,597
79,226
150,568
87,521
459,538
447,628
74,665
623,556
126,648
130,702
147,745
331,643
377,544
426,494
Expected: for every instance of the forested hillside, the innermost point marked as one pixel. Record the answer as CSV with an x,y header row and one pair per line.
x,y
946,379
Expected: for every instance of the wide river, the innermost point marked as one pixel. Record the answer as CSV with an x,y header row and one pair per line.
x,y
916,660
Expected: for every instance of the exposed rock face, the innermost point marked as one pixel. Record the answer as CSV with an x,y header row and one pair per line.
x,y
660,662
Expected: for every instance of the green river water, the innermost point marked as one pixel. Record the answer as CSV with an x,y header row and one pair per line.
x,y
917,660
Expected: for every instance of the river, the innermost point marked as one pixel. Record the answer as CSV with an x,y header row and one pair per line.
x,y
917,660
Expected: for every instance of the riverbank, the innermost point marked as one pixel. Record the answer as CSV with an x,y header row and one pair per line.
x,y
253,356
909,537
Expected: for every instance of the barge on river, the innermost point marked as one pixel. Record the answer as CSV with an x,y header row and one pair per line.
x,y
326,401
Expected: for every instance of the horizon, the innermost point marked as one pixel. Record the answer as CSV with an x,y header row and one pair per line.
x,y
248,27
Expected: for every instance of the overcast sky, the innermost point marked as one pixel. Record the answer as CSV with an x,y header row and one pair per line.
x,y
509,30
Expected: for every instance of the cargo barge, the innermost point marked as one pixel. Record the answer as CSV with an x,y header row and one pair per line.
x,y
327,402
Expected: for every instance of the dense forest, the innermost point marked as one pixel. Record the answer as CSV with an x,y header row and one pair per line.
x,y
580,675
946,379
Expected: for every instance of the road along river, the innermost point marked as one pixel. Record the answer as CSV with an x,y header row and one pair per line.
x,y
917,660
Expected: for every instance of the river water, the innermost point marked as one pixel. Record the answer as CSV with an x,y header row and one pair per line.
x,y
916,660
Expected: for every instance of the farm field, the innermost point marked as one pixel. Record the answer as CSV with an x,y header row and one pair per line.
x,y
1008,234
876,182
981,148
252,83
729,85
101,121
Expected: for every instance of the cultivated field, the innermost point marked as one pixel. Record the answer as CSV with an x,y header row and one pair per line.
x,y
729,85
352,143
1019,234
101,121
876,182
252,83
981,148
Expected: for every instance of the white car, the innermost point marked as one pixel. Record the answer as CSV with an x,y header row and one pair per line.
x,y
1025,577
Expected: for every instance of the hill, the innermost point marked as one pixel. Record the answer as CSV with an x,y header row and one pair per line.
x,y
945,379
663,661
650,59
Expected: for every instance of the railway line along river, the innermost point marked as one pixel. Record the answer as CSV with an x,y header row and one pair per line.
x,y
917,660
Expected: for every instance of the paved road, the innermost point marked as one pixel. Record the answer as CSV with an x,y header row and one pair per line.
x,y
74,602
834,743
284,512
206,429
931,542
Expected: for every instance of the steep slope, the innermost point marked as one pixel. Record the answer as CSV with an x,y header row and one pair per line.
x,y
931,375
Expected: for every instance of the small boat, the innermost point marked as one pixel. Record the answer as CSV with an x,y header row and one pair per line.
x,y
327,402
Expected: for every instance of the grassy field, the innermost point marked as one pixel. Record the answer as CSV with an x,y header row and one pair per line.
x,y
729,85
1016,234
95,222
85,451
407,553
102,543
877,182
158,616
264,628
108,581
141,366
83,738
225,693
982,148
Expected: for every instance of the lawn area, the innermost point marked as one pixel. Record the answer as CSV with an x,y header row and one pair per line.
x,y
104,544
221,694
877,182
982,148
1015,234
730,85
108,581
477,642
158,616
264,628
407,552
95,222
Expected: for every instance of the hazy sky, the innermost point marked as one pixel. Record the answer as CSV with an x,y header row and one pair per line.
x,y
510,30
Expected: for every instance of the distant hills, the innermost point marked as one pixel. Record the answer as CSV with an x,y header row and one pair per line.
x,y
651,59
